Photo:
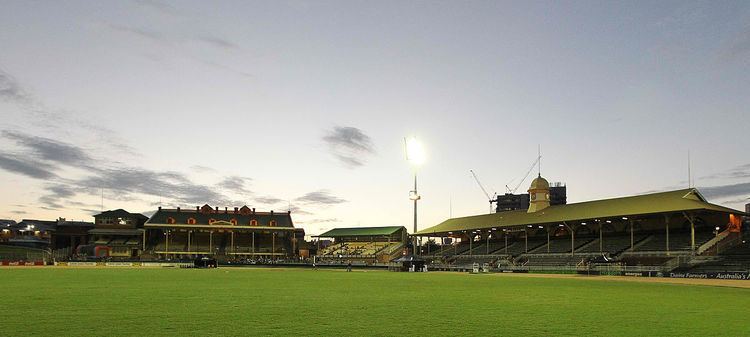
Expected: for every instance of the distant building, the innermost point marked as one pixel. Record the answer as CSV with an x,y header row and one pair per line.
x,y
512,202
6,229
70,234
118,233
33,233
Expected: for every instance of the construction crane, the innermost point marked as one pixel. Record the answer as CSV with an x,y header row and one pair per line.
x,y
531,168
491,199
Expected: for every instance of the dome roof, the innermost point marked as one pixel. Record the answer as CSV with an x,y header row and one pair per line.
x,y
539,183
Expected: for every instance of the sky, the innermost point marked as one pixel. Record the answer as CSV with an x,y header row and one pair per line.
x,y
304,105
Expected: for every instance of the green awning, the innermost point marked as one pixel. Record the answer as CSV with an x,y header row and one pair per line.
x,y
361,231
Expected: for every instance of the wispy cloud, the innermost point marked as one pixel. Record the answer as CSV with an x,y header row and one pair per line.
x,y
54,195
350,145
25,166
216,42
235,183
42,158
737,172
267,200
11,90
143,33
50,150
727,191
321,197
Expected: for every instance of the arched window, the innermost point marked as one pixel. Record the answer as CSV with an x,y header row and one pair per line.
x,y
170,220
191,221
234,222
211,221
253,222
272,223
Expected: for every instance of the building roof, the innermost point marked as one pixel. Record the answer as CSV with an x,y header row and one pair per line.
x,y
646,204
283,219
120,213
361,231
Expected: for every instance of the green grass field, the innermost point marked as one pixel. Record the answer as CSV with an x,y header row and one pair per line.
x,y
256,301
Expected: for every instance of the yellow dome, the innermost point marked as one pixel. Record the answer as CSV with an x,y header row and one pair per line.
x,y
539,183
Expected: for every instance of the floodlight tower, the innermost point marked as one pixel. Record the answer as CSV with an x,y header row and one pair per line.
x,y
415,156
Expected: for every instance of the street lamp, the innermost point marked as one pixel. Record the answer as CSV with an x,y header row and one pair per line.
x,y
415,156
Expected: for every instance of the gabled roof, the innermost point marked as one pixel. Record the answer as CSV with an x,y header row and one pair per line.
x,y
121,213
283,219
361,231
654,203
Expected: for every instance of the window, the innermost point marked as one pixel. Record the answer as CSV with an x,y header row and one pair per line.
x,y
234,222
272,223
191,221
170,220
211,221
253,222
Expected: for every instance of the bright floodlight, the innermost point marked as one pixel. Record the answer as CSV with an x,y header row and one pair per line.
x,y
414,151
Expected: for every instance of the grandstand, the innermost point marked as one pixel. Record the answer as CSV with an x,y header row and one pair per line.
x,y
672,229
241,233
367,245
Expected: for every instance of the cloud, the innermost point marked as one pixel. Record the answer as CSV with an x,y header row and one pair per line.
x,y
268,200
25,166
321,197
235,183
737,172
136,180
726,191
216,42
55,193
144,33
56,121
349,145
11,90
18,212
202,169
43,155
299,211
50,150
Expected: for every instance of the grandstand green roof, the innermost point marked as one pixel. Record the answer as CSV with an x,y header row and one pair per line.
x,y
646,204
361,231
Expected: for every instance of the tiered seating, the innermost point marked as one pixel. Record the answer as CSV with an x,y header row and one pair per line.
x,y
645,260
520,246
355,249
455,249
553,260
677,241
560,245
613,245
735,259
330,249
466,260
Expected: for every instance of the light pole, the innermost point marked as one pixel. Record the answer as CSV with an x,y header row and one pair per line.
x,y
415,156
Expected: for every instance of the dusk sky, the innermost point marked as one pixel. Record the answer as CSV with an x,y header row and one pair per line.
x,y
278,104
